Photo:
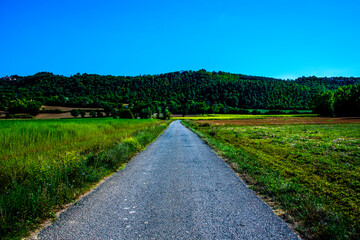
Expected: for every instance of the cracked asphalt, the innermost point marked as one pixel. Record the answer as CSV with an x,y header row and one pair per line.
x,y
175,189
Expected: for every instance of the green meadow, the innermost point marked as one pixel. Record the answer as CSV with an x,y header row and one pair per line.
x,y
47,163
311,172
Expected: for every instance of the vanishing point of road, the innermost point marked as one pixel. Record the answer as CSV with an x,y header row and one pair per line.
x,y
175,189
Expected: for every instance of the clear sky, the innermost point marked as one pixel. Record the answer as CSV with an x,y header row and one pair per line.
x,y
284,39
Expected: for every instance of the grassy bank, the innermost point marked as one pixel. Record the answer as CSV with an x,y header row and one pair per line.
x,y
47,163
311,171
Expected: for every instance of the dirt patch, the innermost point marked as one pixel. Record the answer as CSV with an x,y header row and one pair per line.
x,y
67,108
66,112
284,121
53,115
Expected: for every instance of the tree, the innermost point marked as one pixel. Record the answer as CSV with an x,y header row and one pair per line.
x,y
82,113
202,107
114,113
347,101
323,103
99,113
126,113
145,113
75,113
31,107
92,113
108,109
167,114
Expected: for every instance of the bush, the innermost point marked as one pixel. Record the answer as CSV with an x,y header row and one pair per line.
x,y
82,113
126,113
114,113
99,113
167,114
75,113
256,112
108,110
145,113
276,111
294,111
92,113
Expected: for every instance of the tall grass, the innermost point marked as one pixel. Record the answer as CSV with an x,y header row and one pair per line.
x,y
46,163
312,171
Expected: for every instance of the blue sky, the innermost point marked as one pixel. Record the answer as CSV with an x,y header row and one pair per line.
x,y
284,39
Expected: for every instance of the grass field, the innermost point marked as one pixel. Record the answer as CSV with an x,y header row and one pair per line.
x,y
46,163
237,116
311,171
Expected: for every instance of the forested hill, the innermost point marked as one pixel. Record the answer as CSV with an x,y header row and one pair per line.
x,y
174,89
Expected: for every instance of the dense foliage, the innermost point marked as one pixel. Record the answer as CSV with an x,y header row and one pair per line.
x,y
345,101
181,92
31,107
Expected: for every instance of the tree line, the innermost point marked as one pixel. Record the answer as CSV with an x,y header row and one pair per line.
x,y
342,102
181,92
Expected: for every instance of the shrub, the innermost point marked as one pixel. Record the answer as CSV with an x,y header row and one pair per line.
x,y
114,113
167,114
92,113
275,111
213,130
82,113
256,112
294,111
75,113
126,113
99,113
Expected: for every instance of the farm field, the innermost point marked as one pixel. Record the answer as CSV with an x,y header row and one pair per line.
x,y
311,172
237,116
282,120
47,163
66,112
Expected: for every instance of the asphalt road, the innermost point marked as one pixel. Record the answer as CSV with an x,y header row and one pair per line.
x,y
176,189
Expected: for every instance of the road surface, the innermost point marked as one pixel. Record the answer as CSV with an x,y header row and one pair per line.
x,y
176,189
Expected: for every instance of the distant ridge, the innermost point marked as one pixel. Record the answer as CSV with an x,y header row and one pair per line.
x,y
174,89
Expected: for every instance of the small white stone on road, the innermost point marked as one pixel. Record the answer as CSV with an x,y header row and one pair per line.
x,y
132,212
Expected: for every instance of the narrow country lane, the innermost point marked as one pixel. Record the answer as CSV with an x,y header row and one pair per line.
x,y
176,189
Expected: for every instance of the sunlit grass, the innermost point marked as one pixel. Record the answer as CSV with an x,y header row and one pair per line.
x,y
46,163
313,171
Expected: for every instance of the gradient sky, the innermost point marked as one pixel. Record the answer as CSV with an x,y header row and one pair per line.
x,y
284,39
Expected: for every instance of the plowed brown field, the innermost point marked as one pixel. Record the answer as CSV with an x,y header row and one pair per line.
x,y
284,121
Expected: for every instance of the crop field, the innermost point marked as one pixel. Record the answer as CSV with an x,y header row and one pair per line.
x,y
282,121
47,163
311,172
238,116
